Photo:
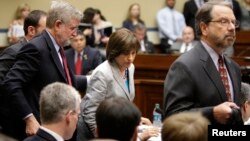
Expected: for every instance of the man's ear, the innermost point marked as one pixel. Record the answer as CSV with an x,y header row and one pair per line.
x,y
31,31
58,24
245,105
204,29
68,117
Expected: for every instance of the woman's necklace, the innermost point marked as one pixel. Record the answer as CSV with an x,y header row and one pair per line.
x,y
125,74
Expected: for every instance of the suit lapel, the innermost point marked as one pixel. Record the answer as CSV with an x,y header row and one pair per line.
x,y
43,134
232,74
211,71
54,55
118,79
85,60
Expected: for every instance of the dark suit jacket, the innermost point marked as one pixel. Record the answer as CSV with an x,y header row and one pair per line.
x,y
148,46
237,10
8,57
90,60
189,11
41,135
37,65
7,60
193,83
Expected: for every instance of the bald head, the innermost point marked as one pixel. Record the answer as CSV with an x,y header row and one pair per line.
x,y
188,34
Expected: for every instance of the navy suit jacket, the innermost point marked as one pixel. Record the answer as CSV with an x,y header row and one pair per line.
x,y
41,135
90,60
189,11
193,84
37,65
8,57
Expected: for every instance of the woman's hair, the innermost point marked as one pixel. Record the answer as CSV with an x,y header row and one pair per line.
x,y
121,42
20,9
98,11
88,15
129,12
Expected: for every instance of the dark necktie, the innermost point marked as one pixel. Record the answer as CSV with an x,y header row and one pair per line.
x,y
224,77
65,65
186,48
78,64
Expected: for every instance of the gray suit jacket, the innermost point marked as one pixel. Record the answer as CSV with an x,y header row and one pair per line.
x,y
105,82
193,83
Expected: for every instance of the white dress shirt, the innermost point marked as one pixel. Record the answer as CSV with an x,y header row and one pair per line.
x,y
185,47
143,49
168,26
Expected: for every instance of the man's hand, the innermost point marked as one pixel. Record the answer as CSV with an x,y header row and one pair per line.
x,y
32,125
222,112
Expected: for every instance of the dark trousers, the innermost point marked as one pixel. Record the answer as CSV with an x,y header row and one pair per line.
x,y
165,46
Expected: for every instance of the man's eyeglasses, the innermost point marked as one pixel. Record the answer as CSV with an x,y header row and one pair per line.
x,y
226,22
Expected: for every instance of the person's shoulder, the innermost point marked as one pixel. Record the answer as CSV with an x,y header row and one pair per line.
x,y
190,57
16,47
107,24
126,21
39,36
15,22
91,49
31,138
162,11
178,12
69,50
103,67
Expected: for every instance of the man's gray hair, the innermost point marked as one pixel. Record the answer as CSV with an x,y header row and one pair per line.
x,y
245,93
61,10
56,100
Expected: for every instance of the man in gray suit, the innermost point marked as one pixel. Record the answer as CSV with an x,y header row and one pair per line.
x,y
187,42
194,81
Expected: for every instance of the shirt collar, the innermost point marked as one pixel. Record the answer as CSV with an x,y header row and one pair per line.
x,y
76,53
211,53
52,133
57,47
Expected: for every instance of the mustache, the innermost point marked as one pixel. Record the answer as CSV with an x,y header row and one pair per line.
x,y
230,35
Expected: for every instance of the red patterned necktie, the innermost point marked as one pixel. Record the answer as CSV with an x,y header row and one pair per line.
x,y
78,64
65,66
224,77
